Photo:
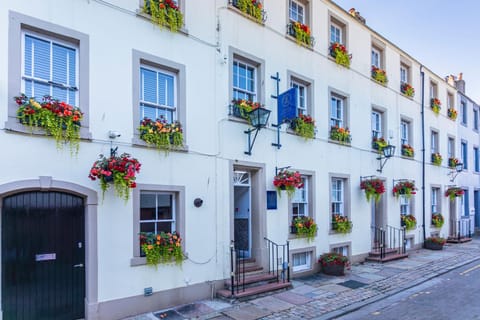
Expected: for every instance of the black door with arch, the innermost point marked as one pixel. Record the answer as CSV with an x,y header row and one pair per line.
x,y
43,256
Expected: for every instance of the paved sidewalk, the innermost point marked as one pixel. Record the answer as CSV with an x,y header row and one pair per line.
x,y
324,297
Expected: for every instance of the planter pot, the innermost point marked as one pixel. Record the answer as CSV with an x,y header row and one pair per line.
x,y
433,246
334,269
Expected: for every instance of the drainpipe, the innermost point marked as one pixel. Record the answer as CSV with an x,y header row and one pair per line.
x,y
422,75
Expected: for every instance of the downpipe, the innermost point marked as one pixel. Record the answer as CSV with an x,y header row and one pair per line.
x,y
422,75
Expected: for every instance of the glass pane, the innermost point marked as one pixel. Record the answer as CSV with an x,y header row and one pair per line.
x,y
60,94
164,207
28,57
164,226
147,207
147,227
148,90
41,59
59,64
40,90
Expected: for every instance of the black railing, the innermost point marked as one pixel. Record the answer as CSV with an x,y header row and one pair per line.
x,y
278,260
378,241
237,269
396,239
461,228
388,238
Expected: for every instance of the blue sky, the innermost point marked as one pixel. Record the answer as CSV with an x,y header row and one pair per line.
x,y
444,35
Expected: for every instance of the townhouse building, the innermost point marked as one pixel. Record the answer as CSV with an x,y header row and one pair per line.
x,y
70,247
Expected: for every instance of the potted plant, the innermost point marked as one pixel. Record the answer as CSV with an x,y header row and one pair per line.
x,y
436,105
405,188
374,188
437,220
407,150
119,170
340,134
241,108
305,227
379,75
164,13
437,159
409,221
252,8
452,162
452,114
161,248
304,126
379,144
55,117
161,134
333,263
454,192
341,223
407,89
340,53
301,32
287,180
434,243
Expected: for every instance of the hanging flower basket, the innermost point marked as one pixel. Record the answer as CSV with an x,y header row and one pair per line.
x,y
379,144
164,13
454,192
452,162
304,226
409,221
436,105
333,263
379,75
341,223
119,170
407,89
57,118
437,220
161,248
287,180
407,151
340,134
161,134
404,188
452,114
374,188
435,243
304,126
340,53
437,159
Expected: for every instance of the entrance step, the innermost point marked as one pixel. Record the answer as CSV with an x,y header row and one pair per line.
x,y
253,280
458,240
252,292
390,255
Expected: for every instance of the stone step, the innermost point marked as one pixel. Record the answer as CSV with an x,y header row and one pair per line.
x,y
253,279
250,268
376,253
252,292
390,257
457,240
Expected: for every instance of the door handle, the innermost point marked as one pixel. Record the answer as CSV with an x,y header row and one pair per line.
x,y
80,265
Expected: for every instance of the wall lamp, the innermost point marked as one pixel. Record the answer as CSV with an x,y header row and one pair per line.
x,y
258,120
387,152
455,171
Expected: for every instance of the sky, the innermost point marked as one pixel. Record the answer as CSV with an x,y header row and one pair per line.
x,y
443,35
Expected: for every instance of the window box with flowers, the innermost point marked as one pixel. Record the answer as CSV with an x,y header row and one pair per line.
x,y
407,151
374,188
436,105
161,134
435,243
302,34
379,75
252,8
304,227
304,126
437,220
240,108
404,188
340,134
452,114
379,144
407,89
452,162
56,118
119,170
454,192
341,224
437,159
333,263
164,13
340,54
408,221
287,180
161,248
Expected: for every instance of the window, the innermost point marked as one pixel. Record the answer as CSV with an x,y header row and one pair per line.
x,y
404,73
433,90
335,33
451,147
435,204
343,250
300,207
465,203
463,110
301,261
404,205
434,142
47,59
377,124
376,57
304,93
158,94
244,81
476,159
404,132
450,103
475,119
464,152
338,111
296,11
338,188
157,208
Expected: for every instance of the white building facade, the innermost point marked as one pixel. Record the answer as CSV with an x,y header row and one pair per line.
x,y
111,61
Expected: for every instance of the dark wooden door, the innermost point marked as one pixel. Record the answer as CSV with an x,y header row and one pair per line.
x,y
43,256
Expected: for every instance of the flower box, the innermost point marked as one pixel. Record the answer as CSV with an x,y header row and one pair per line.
x,y
408,221
436,105
454,192
452,114
379,144
379,75
252,8
164,13
333,263
405,188
341,223
340,134
334,269
437,220
161,134
434,243
301,33
241,107
304,126
452,162
374,188
437,159
407,151
407,89
287,180
161,248
340,53
304,226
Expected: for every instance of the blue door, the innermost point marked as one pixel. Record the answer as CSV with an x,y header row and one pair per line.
x,y
476,201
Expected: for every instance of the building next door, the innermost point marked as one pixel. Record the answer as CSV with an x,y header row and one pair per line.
x,y
43,256
242,212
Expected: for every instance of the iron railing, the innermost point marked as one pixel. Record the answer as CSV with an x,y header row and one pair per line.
x,y
278,260
237,269
387,239
461,228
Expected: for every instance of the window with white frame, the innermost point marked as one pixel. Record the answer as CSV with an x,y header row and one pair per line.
x,y
451,147
404,205
158,92
450,102
301,261
376,57
337,111
463,109
475,119
434,141
404,71
335,33
433,89
337,197
404,132
464,152
465,203
343,250
435,204
157,212
244,80
476,160
296,11
300,201
377,124
302,96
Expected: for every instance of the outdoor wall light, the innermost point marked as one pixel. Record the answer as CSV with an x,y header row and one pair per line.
x,y
454,172
258,120
387,153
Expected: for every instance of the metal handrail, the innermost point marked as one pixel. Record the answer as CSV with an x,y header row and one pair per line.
x,y
279,265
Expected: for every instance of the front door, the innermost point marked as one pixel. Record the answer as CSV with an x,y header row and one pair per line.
x,y
377,219
242,212
453,217
43,256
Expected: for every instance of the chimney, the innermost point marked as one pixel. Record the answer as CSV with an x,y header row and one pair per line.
x,y
356,14
450,80
460,83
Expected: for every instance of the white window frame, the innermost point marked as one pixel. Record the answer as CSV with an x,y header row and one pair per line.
x,y
377,131
435,192
343,250
476,159
451,147
475,119
433,90
404,74
301,198
173,201
305,266
302,96
376,58
404,132
338,196
434,141
463,107
449,100
336,33
337,116
237,91
464,154
404,205
294,14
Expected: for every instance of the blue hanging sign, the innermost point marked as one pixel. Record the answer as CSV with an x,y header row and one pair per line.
x,y
287,105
